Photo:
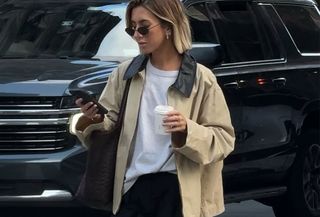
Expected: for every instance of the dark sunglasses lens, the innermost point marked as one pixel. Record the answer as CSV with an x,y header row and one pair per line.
x,y
143,30
130,31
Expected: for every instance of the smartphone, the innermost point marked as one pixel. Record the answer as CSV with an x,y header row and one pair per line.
x,y
86,97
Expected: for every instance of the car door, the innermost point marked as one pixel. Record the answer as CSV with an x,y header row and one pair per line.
x,y
252,49
203,31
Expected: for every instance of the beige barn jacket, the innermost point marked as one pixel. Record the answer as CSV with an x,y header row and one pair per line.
x,y
210,135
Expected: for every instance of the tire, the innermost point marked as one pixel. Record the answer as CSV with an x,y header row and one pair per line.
x,y
303,196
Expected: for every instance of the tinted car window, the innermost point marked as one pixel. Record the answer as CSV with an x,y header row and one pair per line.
x,y
56,30
242,33
199,21
303,23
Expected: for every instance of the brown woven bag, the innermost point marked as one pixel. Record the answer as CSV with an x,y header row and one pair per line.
x,y
96,186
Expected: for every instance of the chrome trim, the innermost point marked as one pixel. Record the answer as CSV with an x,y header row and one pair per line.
x,y
39,111
31,140
87,82
218,74
37,105
23,122
32,149
201,45
317,9
47,195
251,63
279,79
310,54
32,122
34,132
254,61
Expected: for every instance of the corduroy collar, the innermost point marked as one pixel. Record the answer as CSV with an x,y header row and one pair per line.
x,y
186,76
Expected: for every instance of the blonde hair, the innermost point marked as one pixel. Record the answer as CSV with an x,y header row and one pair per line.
x,y
171,13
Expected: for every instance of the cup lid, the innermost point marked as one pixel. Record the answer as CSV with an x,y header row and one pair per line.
x,y
163,109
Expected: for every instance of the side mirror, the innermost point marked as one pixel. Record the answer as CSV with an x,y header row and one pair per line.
x,y
208,54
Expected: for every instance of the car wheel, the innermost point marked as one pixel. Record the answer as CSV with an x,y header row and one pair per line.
x,y
303,196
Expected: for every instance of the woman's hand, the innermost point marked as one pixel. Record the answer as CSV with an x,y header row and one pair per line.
x,y
89,110
175,122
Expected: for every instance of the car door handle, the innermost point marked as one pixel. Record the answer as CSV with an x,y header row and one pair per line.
x,y
231,85
279,81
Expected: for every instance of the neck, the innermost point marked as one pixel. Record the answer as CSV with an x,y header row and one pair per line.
x,y
167,59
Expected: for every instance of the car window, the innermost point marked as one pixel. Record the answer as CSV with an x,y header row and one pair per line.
x,y
303,23
244,35
54,30
201,27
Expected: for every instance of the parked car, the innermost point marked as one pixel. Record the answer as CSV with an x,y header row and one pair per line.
x,y
264,53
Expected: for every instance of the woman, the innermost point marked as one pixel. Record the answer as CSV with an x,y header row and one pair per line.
x,y
177,174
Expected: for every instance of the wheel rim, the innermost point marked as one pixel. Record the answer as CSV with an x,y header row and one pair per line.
x,y
311,177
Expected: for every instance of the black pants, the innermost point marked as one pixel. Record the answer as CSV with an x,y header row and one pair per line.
x,y
152,195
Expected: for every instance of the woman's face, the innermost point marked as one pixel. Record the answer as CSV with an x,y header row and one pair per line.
x,y
156,36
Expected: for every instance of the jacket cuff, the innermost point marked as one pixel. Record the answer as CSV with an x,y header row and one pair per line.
x,y
198,146
192,132
84,136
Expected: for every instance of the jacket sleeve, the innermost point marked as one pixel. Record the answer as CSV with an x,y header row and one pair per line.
x,y
110,100
211,137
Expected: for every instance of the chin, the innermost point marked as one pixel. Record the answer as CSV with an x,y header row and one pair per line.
x,y
145,51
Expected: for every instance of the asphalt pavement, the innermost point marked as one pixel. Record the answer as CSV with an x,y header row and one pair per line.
x,y
247,209
243,209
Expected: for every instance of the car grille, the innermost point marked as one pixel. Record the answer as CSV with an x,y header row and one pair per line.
x,y
34,124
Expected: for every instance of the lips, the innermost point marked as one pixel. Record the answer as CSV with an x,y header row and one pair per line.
x,y
142,43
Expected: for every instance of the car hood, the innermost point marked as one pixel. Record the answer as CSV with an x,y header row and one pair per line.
x,y
50,77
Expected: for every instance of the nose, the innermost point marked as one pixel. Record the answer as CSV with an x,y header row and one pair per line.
x,y
137,35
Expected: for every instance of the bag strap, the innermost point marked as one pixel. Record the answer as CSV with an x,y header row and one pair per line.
x,y
123,104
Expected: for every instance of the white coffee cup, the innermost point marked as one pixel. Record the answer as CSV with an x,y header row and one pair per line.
x,y
160,112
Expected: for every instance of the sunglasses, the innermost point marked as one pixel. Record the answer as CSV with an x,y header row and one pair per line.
x,y
143,30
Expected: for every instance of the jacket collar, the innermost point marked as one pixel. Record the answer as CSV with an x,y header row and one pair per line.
x,y
186,76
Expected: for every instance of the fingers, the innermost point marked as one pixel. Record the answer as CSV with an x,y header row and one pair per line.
x,y
175,122
79,102
89,109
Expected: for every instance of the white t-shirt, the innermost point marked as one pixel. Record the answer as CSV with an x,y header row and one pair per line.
x,y
151,152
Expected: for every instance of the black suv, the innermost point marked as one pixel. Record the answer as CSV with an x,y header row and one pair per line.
x,y
265,54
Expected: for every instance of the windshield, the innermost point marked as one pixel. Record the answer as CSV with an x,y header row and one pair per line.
x,y
56,29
